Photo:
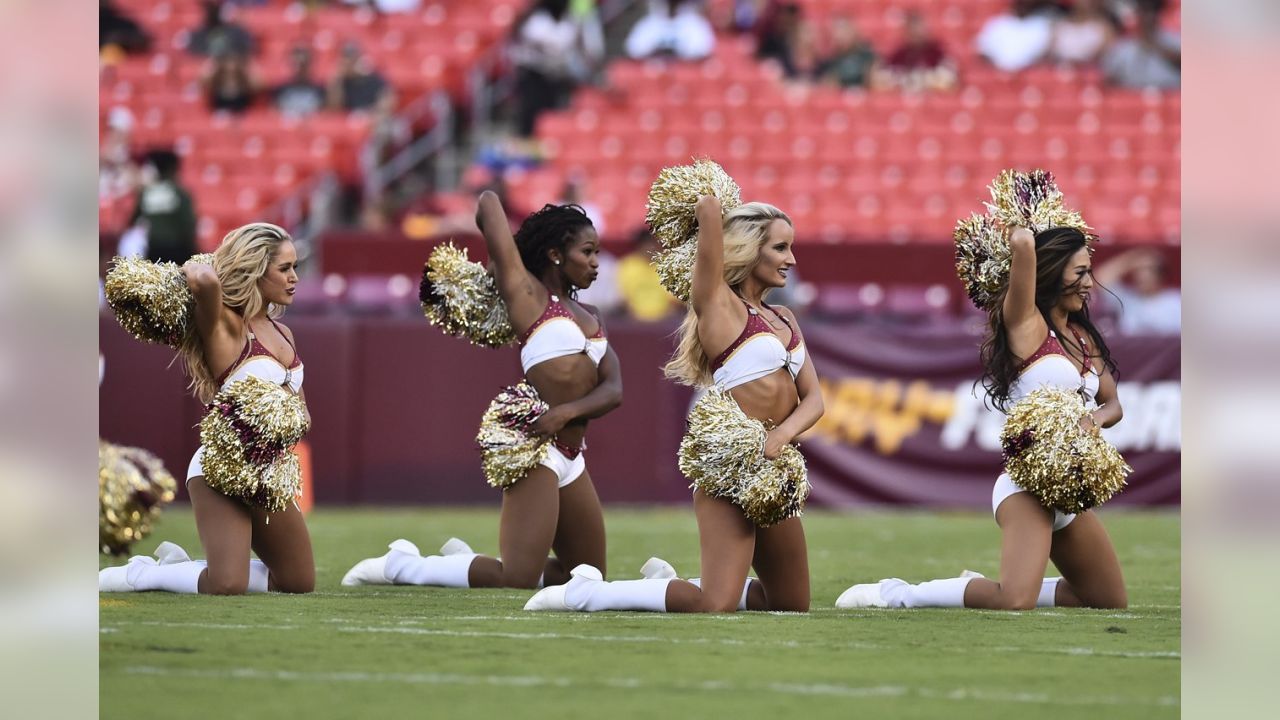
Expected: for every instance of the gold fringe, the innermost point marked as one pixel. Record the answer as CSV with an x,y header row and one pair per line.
x,y
132,486
1049,455
722,454
508,450
151,301
461,298
673,195
1018,199
248,436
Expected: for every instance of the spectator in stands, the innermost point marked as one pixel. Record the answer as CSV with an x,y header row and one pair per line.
x,y
1146,306
920,63
229,85
357,85
300,95
1020,38
777,31
852,60
117,171
804,52
117,30
218,33
1081,37
672,28
556,48
642,293
1151,58
746,13
164,212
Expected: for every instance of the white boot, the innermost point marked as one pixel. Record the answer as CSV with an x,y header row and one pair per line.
x,y
116,578
455,546
657,569
742,600
552,599
862,596
170,553
372,571
1048,596
896,593
587,591
167,571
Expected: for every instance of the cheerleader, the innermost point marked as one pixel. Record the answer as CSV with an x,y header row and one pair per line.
x,y
1039,335
566,357
237,298
753,355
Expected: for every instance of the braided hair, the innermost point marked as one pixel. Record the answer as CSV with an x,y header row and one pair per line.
x,y
552,227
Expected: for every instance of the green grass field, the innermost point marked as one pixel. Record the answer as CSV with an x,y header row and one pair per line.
x,y
402,652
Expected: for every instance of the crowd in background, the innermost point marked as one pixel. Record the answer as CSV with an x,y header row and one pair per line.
x,y
559,45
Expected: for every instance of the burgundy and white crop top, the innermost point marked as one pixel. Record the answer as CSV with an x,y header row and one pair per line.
x,y
1050,366
758,352
556,334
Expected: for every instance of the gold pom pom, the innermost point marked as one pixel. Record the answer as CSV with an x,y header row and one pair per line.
x,y
1032,200
670,209
508,450
248,436
1049,455
461,298
722,454
132,486
1018,199
151,300
675,269
982,258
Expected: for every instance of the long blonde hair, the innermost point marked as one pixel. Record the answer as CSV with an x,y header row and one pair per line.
x,y
746,230
240,261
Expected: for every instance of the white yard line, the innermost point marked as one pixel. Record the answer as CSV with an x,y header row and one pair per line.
x,y
444,632
716,686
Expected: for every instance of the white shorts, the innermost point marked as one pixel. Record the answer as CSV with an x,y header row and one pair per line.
x,y
195,468
1005,487
566,470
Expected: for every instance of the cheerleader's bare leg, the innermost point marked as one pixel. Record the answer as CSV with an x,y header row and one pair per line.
x,y
1091,575
226,528
530,513
782,564
282,542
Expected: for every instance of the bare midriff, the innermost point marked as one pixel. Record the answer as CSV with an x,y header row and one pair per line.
x,y
562,380
770,399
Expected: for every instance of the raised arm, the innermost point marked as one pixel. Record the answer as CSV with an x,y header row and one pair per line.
x,y
515,284
708,264
1020,313
204,284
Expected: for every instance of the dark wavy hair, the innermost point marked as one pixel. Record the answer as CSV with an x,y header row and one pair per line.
x,y
552,227
1054,248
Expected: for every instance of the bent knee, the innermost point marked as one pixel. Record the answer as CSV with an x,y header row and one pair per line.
x,y
718,605
296,586
1017,601
1112,601
790,606
222,585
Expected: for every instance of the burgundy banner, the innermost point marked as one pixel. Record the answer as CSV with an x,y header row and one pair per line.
x,y
905,423
395,406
